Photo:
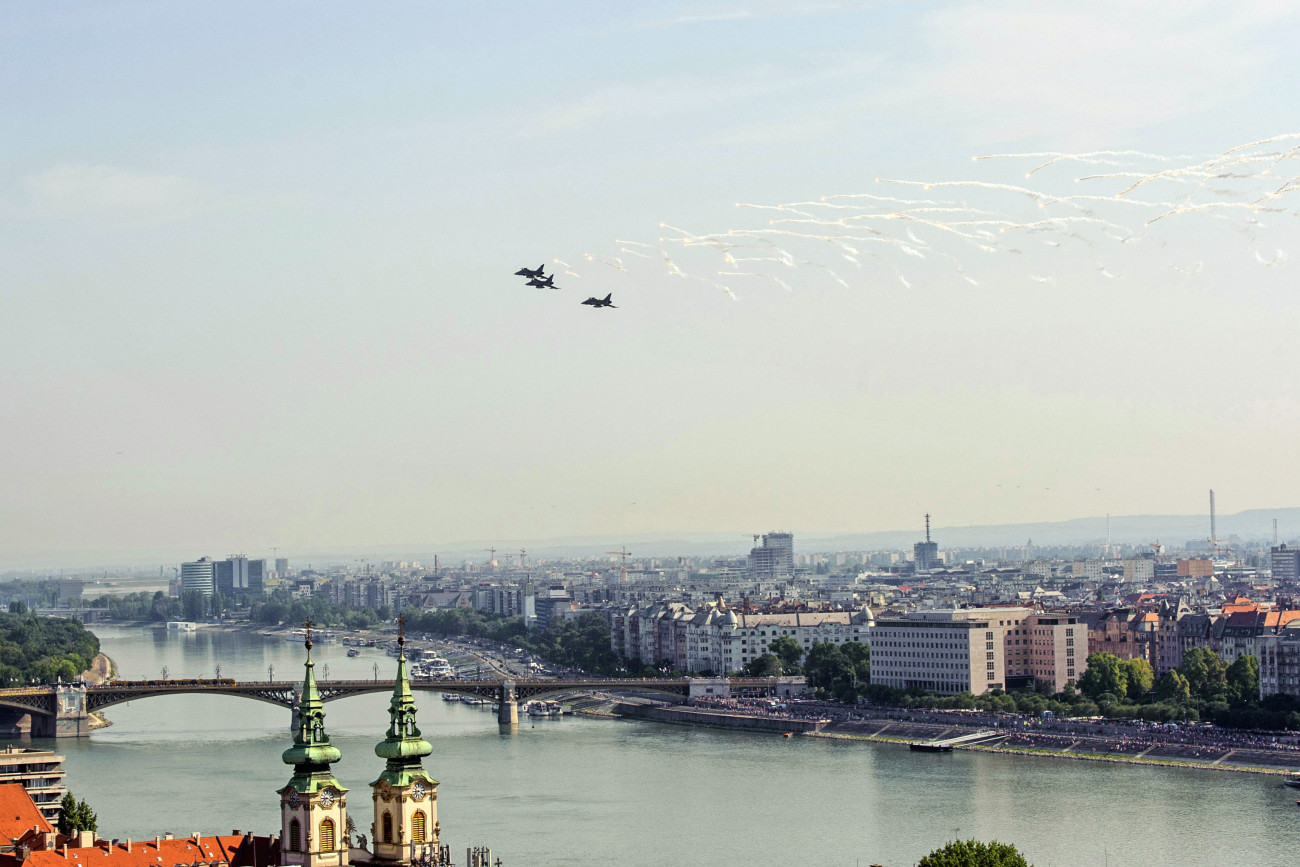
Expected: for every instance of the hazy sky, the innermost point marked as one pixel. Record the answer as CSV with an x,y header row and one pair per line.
x,y
256,272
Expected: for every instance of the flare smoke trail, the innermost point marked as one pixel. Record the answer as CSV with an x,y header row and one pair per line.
x,y
1075,219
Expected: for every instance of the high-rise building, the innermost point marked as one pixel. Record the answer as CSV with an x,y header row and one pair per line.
x,y
1285,563
256,577
199,575
237,576
774,559
281,566
925,555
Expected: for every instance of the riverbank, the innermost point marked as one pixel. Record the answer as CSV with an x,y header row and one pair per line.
x,y
886,730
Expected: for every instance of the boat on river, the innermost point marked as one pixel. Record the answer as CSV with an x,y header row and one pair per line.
x,y
1293,782
352,651
930,748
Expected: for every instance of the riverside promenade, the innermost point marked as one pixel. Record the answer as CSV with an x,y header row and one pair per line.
x,y
1128,742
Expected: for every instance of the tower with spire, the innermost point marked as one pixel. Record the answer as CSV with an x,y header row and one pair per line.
x,y
405,796
313,814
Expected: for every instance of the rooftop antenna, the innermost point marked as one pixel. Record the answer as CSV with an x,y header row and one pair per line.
x,y
927,526
1275,532
1108,533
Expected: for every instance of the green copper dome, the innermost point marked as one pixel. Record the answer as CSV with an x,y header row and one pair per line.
x,y
403,746
311,753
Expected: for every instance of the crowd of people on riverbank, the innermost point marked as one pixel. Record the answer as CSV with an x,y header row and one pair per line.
x,y
1126,737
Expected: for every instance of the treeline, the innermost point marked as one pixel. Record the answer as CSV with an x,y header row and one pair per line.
x,y
580,643
38,593
1204,687
43,650
841,672
282,607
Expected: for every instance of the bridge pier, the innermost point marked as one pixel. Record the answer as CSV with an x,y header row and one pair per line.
x,y
70,719
507,710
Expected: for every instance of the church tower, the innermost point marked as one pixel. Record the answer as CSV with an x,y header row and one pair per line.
x,y
313,815
406,797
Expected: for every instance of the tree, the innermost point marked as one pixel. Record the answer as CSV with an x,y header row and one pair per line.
x,y
18,607
1173,689
766,665
1206,674
76,815
192,604
972,853
788,651
87,819
1242,680
1105,674
67,814
831,672
1140,677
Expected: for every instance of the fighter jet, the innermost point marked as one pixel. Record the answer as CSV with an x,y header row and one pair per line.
x,y
601,302
548,283
530,274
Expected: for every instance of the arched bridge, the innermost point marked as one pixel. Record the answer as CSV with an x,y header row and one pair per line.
x,y
62,710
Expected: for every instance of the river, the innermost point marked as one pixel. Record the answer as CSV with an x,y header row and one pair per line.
x,y
600,792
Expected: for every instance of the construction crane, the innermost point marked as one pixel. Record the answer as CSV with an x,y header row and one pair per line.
x,y
622,572
492,558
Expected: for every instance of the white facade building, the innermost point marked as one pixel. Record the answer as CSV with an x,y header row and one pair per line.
x,y
721,640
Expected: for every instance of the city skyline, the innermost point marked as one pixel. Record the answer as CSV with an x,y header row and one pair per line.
x,y
259,279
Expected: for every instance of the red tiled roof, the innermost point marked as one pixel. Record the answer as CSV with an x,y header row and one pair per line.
x,y
147,853
19,813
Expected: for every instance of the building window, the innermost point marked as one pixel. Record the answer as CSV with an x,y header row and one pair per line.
x,y
417,826
388,827
327,835
295,836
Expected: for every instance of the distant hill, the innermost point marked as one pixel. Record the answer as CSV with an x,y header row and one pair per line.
x,y
1252,525
1172,530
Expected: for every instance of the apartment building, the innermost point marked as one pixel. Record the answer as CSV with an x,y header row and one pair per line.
x,y
40,772
719,639
978,649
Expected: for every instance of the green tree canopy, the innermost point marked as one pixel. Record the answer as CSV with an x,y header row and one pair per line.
x,y
973,853
1139,676
766,665
1242,680
1173,689
76,815
1206,673
789,651
842,672
1106,674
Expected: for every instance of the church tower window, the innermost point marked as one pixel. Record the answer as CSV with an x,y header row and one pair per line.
x,y
388,827
417,826
327,835
295,836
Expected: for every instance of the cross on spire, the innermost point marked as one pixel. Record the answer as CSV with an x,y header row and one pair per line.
x,y
401,630
307,626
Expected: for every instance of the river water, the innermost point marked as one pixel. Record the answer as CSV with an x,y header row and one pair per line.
x,y
599,792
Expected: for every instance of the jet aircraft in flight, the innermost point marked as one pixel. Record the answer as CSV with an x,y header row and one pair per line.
x,y
548,283
531,274
601,302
